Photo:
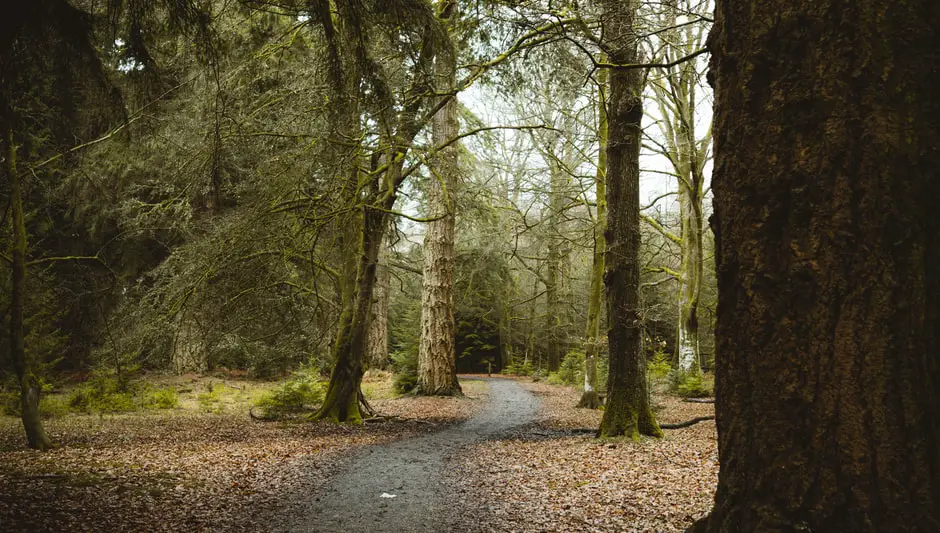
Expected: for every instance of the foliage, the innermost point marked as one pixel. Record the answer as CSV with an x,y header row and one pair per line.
x,y
211,400
405,366
296,395
525,369
695,386
571,370
164,398
658,366
108,391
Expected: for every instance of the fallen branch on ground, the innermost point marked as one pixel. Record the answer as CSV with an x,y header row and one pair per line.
x,y
699,400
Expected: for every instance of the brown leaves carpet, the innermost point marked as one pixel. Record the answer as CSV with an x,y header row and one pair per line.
x,y
186,471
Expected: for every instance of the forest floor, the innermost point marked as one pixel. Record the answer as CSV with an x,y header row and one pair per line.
x,y
514,467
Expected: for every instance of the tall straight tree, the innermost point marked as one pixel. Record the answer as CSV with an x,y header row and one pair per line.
x,y
437,370
827,128
628,410
590,398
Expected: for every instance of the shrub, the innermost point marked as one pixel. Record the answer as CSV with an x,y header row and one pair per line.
x,y
299,393
405,366
104,393
659,367
571,370
694,387
53,406
167,398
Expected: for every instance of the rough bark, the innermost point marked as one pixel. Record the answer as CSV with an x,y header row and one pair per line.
x,y
628,411
592,335
437,370
36,436
827,128
378,324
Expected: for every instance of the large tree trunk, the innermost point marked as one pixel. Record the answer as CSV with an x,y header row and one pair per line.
x,y
828,256
628,411
343,396
29,387
590,397
378,324
437,370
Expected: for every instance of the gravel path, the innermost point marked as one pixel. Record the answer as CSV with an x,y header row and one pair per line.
x,y
399,487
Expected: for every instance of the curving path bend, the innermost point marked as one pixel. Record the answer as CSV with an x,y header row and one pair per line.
x,y
413,471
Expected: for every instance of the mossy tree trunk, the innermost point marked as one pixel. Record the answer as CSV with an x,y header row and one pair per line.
x,y
342,400
592,335
30,389
437,361
827,128
628,411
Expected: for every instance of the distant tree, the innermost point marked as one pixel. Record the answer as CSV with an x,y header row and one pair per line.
x,y
827,127
677,93
592,336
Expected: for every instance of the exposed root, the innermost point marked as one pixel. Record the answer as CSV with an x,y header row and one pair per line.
x,y
687,423
680,425
395,418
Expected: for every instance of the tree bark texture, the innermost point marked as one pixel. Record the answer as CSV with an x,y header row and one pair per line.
x,y
628,411
437,370
676,98
36,436
827,139
378,324
592,335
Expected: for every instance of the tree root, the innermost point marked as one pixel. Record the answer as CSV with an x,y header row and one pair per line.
x,y
687,423
680,425
394,418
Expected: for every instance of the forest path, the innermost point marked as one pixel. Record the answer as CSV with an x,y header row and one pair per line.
x,y
412,471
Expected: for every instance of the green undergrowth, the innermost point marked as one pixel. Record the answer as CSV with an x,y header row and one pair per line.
x,y
695,386
302,392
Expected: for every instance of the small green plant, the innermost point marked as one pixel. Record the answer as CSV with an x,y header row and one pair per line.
x,y
405,366
104,393
694,386
659,367
571,370
298,394
53,406
166,398
211,400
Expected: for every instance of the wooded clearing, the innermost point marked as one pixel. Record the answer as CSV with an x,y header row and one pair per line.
x,y
480,265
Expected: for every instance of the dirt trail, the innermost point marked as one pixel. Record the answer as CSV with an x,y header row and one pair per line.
x,y
411,470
